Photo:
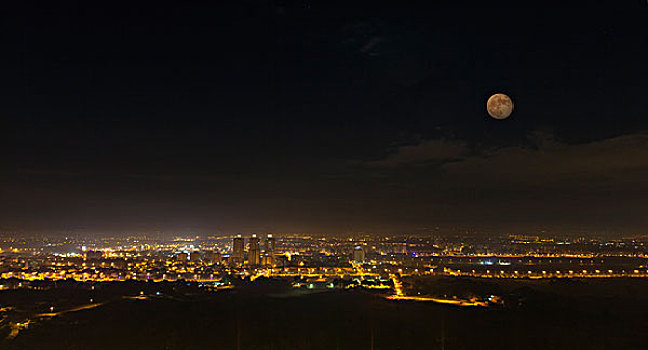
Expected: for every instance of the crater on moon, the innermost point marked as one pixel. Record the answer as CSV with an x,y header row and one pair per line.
x,y
499,106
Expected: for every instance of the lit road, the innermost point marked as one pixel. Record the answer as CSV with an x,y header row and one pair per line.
x,y
78,308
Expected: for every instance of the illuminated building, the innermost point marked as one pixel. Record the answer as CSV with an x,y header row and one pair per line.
x,y
238,250
358,254
213,257
195,257
270,244
182,257
254,252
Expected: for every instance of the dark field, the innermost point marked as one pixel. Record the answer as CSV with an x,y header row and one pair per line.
x,y
566,314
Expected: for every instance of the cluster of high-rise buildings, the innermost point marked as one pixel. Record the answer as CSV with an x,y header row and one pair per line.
x,y
255,255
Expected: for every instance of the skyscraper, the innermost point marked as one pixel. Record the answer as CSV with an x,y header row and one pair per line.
x,y
358,254
238,250
270,250
254,251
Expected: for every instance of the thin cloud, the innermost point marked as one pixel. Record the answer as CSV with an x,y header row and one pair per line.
x,y
428,151
613,161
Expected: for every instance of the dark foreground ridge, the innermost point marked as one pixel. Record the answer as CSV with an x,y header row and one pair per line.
x,y
547,314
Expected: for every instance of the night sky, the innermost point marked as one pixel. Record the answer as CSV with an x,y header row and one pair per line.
x,y
323,116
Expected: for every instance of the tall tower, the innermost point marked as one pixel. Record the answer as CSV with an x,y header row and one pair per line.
x,y
238,250
270,249
358,254
254,251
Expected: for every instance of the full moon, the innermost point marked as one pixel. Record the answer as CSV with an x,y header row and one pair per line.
x,y
499,106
